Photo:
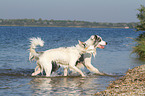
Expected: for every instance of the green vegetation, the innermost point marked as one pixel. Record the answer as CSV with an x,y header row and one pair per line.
x,y
139,49
141,17
62,23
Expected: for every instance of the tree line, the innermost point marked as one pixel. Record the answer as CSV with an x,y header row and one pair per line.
x,y
63,23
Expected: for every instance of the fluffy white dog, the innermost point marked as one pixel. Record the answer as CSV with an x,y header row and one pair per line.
x,y
66,57
85,59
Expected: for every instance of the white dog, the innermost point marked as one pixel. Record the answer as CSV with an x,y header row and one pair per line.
x,y
85,59
66,57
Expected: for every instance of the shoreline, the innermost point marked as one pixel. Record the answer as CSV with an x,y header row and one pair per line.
x,y
65,23
62,26
133,83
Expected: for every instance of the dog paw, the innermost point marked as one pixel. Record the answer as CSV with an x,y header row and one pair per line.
x,y
83,76
33,74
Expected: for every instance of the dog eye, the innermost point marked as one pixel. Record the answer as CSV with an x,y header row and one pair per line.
x,y
99,40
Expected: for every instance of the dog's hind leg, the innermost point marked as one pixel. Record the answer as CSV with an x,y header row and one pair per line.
x,y
37,71
65,71
48,68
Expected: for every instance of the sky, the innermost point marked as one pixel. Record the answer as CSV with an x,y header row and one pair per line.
x,y
111,11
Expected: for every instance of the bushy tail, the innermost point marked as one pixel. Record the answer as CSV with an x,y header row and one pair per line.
x,y
34,42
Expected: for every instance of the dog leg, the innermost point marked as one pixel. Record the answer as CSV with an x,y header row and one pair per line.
x,y
65,71
48,68
90,67
37,71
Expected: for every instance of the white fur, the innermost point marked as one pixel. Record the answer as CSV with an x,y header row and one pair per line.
x,y
35,42
64,56
87,56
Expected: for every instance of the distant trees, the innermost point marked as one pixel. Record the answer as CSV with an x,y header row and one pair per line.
x,y
62,23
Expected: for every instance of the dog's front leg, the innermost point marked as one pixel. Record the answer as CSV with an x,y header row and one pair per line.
x,y
90,67
65,71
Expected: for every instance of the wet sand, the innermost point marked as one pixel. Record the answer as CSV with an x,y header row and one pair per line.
x,y
132,84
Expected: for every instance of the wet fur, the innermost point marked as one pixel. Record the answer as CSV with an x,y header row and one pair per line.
x,y
84,60
65,57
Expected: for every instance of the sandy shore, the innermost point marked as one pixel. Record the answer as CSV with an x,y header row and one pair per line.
x,y
132,84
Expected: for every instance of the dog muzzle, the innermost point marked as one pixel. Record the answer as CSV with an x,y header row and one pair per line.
x,y
101,45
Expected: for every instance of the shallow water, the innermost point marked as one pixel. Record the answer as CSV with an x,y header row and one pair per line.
x,y
15,68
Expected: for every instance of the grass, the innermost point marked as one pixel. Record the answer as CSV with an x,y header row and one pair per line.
x,y
139,49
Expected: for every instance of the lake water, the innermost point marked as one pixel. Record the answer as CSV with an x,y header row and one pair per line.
x,y
15,68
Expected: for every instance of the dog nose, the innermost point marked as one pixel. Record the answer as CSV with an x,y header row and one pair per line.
x,y
106,43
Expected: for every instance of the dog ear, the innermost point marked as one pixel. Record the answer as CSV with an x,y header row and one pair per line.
x,y
80,42
94,37
83,44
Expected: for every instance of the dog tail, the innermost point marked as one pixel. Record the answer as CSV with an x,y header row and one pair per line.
x,y
34,42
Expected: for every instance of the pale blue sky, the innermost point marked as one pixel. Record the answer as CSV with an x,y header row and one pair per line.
x,y
83,10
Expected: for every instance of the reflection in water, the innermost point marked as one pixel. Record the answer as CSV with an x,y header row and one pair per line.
x,y
41,86
64,86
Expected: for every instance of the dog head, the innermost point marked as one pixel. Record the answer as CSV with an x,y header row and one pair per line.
x,y
98,42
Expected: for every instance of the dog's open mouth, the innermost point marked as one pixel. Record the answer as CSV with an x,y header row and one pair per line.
x,y
101,46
